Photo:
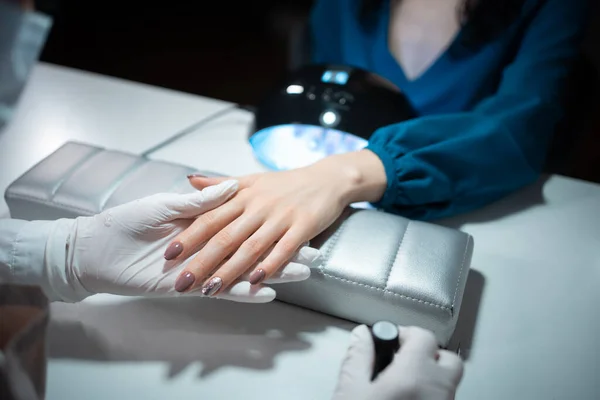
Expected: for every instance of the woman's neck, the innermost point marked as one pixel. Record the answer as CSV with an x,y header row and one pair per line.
x,y
420,31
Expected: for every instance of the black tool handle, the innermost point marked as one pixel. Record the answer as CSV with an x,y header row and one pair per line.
x,y
386,339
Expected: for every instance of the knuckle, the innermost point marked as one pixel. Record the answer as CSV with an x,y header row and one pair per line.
x,y
311,216
253,248
287,248
287,210
224,239
244,196
270,266
193,233
199,268
207,219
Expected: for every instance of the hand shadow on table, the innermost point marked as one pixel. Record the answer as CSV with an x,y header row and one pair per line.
x,y
514,203
218,333
181,331
462,339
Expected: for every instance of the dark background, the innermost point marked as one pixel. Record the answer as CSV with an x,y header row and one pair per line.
x,y
230,50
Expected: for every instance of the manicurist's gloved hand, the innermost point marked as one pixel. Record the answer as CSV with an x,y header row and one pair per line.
x,y
121,250
275,212
419,371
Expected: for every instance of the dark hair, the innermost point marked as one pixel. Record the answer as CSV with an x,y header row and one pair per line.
x,y
482,20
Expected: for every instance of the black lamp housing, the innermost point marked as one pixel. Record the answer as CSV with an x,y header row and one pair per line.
x,y
344,99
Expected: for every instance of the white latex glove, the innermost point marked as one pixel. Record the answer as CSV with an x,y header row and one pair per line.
x,y
121,250
419,371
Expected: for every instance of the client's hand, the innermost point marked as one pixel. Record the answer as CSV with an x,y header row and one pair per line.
x,y
276,211
120,251
419,371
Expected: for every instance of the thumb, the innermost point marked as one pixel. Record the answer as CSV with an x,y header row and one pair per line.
x,y
194,204
201,182
360,357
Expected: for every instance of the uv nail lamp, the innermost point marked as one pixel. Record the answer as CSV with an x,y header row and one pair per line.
x,y
321,110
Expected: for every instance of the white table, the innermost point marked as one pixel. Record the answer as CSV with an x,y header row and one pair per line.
x,y
60,104
531,302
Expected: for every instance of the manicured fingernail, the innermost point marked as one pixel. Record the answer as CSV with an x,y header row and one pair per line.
x,y
256,276
184,282
212,286
173,250
190,176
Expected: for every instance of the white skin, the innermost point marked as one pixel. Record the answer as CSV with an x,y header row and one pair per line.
x,y
420,31
287,209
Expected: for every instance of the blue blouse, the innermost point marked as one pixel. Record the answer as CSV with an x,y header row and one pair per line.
x,y
486,118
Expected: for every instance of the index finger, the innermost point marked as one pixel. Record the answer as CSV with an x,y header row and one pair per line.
x,y
191,205
418,341
452,363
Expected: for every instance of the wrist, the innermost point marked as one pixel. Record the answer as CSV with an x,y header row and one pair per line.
x,y
358,176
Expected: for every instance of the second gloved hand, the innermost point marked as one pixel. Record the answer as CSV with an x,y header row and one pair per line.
x,y
419,371
121,250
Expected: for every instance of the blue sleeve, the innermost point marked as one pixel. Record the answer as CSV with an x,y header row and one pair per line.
x,y
442,165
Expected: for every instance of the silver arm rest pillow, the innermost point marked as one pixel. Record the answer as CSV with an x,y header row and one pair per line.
x,y
376,265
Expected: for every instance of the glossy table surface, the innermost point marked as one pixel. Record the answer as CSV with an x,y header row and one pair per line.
x,y
528,327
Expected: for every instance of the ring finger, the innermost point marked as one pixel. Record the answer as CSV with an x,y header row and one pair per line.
x,y
245,257
201,230
287,245
216,250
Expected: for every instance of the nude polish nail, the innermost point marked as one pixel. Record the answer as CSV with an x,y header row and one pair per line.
x,y
174,249
212,286
190,176
256,276
184,282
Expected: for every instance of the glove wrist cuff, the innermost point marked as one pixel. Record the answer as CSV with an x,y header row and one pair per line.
x,y
59,268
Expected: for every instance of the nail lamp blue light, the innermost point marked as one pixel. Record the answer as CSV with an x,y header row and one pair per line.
x,y
322,110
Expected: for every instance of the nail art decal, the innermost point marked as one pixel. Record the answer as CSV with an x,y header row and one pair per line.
x,y
212,286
